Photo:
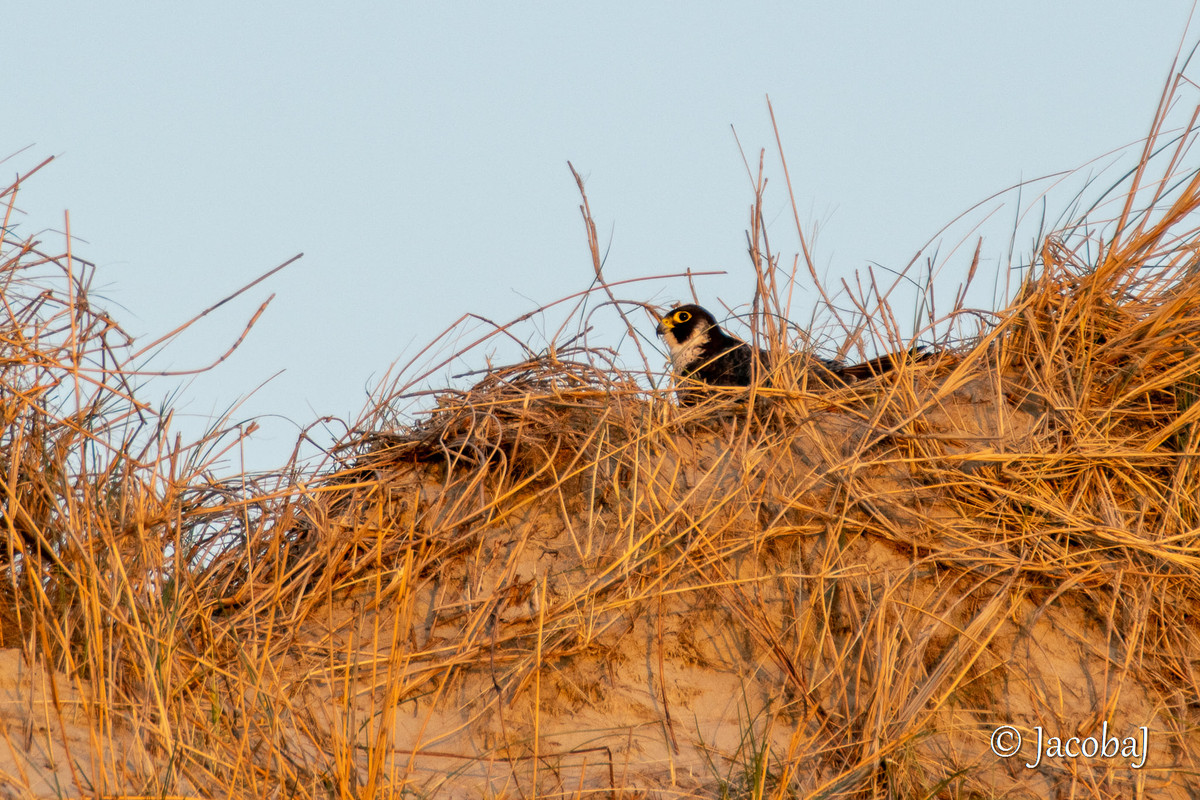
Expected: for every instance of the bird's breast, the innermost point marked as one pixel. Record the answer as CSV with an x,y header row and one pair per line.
x,y
686,355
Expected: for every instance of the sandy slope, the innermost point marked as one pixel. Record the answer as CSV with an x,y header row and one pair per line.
x,y
651,639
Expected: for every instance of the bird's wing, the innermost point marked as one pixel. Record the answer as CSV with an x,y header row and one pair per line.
x,y
882,364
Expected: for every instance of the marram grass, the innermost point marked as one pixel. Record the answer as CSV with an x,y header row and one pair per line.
x,y
557,583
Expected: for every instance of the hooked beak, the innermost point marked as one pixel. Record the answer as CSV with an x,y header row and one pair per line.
x,y
664,325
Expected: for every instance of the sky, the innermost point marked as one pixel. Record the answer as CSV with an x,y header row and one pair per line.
x,y
417,155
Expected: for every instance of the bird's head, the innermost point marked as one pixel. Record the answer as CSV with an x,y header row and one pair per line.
x,y
685,330
683,322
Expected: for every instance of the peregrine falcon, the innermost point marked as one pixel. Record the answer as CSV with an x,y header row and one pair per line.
x,y
703,353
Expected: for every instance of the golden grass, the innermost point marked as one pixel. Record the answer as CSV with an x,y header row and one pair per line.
x,y
559,584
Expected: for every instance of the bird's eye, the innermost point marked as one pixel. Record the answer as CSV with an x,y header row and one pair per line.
x,y
682,316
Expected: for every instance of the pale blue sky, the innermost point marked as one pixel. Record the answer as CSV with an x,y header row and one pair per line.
x,y
417,155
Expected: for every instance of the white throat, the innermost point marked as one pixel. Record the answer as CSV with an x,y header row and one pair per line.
x,y
685,353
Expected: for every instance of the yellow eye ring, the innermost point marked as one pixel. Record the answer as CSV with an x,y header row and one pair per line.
x,y
682,316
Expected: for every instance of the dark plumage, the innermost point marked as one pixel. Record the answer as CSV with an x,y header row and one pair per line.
x,y
703,353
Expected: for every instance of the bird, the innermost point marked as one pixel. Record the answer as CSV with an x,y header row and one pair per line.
x,y
702,353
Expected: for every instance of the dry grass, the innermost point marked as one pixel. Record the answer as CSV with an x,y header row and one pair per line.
x,y
558,583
